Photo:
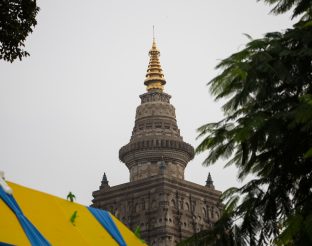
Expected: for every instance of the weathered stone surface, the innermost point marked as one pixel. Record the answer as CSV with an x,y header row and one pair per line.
x,y
158,199
166,208
155,138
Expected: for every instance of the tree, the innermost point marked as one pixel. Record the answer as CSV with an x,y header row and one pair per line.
x,y
267,132
17,19
300,7
224,233
71,197
137,233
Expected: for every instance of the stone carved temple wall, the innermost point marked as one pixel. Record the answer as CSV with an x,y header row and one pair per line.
x,y
166,207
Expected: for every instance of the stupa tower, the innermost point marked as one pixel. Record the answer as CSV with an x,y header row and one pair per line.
x,y
166,207
156,145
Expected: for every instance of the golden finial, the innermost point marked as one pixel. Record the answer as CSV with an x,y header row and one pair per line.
x,y
153,33
155,79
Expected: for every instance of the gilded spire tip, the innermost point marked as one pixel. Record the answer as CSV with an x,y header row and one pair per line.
x,y
153,33
154,79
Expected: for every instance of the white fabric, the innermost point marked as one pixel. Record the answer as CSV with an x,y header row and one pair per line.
x,y
4,185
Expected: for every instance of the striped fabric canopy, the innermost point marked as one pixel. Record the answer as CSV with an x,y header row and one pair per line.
x,y
30,217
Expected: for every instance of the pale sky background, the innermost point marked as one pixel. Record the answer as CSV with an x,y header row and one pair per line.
x,y
67,109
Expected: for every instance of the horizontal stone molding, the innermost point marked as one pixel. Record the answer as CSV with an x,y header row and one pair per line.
x,y
160,182
155,97
162,206
155,127
160,145
155,109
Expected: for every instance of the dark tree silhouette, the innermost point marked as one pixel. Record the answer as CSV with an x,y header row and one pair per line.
x,y
17,19
266,132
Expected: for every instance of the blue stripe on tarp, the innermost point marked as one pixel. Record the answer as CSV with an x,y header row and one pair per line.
x,y
34,236
5,244
107,222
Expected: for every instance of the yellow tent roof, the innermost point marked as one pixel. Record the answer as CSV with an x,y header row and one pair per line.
x,y
52,217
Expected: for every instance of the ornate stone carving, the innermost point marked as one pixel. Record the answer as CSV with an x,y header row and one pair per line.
x,y
155,136
157,198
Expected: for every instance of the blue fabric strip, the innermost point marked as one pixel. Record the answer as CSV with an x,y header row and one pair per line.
x,y
34,236
107,222
5,244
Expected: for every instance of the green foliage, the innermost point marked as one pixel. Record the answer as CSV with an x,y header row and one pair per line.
x,y
267,132
73,218
71,197
224,233
17,19
137,233
299,7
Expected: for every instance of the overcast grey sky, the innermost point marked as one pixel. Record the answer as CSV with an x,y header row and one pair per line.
x,y
67,109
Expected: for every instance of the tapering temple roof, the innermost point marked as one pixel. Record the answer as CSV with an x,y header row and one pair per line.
x,y
154,79
104,181
156,157
155,137
209,182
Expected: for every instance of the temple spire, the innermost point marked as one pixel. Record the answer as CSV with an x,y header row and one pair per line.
x,y
104,182
154,79
153,33
209,182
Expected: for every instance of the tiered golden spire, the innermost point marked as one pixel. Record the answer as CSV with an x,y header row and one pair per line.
x,y
154,79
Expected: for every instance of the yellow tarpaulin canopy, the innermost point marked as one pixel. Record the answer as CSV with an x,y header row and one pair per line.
x,y
52,217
